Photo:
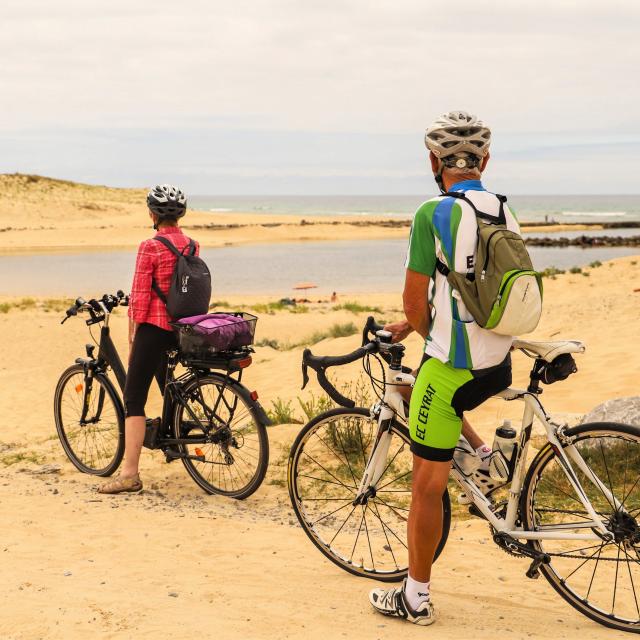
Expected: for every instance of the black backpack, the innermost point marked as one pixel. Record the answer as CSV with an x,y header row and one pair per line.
x,y
190,289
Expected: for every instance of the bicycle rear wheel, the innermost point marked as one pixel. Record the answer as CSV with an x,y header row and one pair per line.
x,y
326,464
95,445
600,578
236,451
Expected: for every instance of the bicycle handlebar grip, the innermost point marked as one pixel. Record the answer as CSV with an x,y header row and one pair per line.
x,y
332,392
370,327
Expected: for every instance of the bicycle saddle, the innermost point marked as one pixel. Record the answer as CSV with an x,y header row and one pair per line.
x,y
549,350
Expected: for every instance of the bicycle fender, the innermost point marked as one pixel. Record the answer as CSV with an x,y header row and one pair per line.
x,y
262,414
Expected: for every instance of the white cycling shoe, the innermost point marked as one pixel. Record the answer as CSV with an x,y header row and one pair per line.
x,y
393,602
472,465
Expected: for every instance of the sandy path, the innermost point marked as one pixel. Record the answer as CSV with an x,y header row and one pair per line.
x,y
74,566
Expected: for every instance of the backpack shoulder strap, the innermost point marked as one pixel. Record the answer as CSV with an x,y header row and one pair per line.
x,y
442,267
502,219
158,291
168,244
190,249
154,285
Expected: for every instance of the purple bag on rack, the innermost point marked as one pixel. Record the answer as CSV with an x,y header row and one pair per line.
x,y
222,331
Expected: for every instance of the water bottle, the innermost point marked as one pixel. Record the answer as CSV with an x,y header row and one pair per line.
x,y
504,445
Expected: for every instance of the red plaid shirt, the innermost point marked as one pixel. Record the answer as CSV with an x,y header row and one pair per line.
x,y
155,262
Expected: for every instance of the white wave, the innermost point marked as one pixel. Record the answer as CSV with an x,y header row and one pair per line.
x,y
220,210
595,214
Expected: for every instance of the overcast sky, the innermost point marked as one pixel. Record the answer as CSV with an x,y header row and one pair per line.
x,y
299,96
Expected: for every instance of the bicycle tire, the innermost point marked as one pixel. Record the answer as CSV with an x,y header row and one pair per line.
x,y
534,479
79,458
195,468
393,575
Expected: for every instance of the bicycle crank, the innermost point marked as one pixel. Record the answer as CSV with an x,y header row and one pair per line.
x,y
517,548
171,455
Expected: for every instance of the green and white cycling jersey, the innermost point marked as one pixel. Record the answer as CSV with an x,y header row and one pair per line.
x,y
446,228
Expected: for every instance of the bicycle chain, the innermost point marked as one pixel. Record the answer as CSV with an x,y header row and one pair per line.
x,y
515,554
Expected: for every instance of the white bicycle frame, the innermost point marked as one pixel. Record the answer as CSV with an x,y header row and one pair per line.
x,y
392,407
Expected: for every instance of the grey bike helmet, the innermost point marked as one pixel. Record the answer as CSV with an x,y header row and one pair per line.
x,y
456,132
167,201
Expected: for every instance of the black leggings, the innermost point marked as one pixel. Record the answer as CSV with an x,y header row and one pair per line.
x,y
148,358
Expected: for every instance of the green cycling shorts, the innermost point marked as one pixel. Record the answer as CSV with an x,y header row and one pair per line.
x,y
440,395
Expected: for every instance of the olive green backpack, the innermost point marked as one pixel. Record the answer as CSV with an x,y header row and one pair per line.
x,y
504,293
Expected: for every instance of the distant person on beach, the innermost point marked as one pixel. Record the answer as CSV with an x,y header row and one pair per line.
x,y
334,297
150,334
463,364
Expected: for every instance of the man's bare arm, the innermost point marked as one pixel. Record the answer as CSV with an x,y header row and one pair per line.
x,y
414,299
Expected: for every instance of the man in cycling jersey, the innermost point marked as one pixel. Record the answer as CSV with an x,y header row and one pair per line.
x,y
463,364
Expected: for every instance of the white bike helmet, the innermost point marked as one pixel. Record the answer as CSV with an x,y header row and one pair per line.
x,y
456,132
167,201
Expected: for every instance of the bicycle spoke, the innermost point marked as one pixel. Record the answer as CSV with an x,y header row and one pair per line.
x,y
604,544
615,585
331,474
357,537
384,531
633,586
366,530
355,482
384,524
404,475
339,484
630,490
392,460
593,575
606,466
332,451
392,506
342,525
399,515
324,517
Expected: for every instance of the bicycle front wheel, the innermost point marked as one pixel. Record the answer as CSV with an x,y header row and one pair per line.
x,y
233,446
94,444
600,578
326,464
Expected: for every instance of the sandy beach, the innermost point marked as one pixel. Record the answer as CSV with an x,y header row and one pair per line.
x,y
42,215
172,561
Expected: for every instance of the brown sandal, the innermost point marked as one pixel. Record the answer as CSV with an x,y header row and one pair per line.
x,y
122,485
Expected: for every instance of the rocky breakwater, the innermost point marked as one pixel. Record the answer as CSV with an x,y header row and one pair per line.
x,y
585,241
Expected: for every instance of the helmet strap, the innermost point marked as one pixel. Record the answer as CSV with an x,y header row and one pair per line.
x,y
438,177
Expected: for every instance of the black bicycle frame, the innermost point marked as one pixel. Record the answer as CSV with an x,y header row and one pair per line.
x,y
109,354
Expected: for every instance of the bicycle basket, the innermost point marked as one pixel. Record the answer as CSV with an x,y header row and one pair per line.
x,y
215,332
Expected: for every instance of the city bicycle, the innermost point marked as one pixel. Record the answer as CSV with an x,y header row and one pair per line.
x,y
210,420
570,505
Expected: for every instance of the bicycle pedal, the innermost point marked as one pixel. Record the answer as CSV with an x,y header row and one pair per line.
x,y
171,455
533,572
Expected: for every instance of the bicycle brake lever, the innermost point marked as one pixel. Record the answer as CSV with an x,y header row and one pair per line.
x,y
305,375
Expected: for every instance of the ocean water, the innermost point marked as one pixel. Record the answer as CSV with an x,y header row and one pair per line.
x,y
346,266
565,208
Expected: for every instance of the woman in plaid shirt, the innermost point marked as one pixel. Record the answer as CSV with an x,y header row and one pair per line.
x,y
150,334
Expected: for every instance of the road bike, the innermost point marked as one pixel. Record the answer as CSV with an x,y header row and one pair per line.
x,y
210,420
571,503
